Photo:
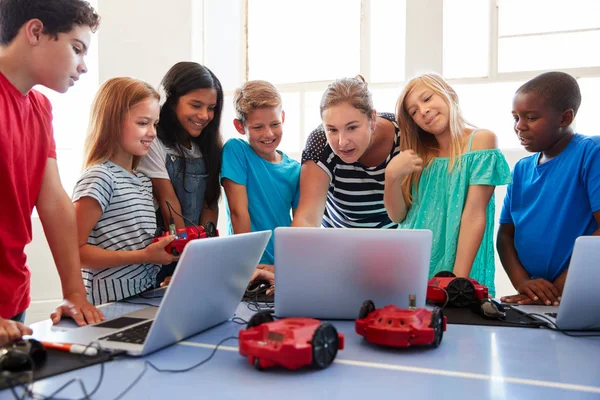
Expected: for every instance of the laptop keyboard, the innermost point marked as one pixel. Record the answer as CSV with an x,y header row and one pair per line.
x,y
551,314
135,335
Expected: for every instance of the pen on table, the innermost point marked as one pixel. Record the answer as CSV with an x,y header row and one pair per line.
x,y
72,348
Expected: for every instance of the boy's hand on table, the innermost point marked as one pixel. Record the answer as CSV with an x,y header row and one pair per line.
x,y
535,291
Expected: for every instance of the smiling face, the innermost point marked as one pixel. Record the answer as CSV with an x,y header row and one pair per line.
x,y
58,63
537,125
196,109
428,110
139,128
348,131
264,127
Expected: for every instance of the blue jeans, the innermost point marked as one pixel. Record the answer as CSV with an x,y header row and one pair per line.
x,y
19,317
189,183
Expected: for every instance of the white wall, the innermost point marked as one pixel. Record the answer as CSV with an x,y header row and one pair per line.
x,y
143,38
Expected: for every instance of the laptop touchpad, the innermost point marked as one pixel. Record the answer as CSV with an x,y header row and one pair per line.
x,y
119,323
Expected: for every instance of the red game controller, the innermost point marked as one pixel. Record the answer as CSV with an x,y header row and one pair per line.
x,y
397,327
290,342
446,288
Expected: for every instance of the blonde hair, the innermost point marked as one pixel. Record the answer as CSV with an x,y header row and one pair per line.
x,y
253,95
353,91
112,103
412,137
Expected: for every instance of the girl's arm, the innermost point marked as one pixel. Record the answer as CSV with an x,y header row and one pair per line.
x,y
163,191
88,212
472,228
473,219
314,183
237,198
400,166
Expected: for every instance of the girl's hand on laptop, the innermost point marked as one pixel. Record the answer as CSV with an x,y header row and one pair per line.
x,y
166,282
155,252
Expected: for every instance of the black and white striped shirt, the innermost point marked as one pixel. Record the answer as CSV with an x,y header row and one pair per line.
x,y
128,222
355,195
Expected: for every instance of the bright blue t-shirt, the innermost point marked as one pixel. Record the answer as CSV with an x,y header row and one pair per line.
x,y
273,189
552,204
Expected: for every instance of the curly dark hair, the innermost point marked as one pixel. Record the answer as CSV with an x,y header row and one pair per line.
x,y
558,89
58,16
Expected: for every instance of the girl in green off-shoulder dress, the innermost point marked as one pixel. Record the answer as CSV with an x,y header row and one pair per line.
x,y
444,179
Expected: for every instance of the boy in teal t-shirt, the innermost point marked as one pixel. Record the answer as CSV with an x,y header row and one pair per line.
x,y
262,184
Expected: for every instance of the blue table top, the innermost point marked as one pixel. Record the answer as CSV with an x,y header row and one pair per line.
x,y
472,362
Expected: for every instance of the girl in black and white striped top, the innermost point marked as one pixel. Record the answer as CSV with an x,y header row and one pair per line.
x,y
113,202
344,161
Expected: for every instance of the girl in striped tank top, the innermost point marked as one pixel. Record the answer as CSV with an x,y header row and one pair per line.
x,y
113,201
344,161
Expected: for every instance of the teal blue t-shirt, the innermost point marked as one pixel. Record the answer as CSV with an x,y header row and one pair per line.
x,y
273,189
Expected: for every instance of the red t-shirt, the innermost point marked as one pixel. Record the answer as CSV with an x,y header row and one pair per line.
x,y
26,142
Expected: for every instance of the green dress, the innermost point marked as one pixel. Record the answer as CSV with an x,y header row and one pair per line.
x,y
439,202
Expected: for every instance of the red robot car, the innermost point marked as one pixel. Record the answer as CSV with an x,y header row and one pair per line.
x,y
291,342
397,327
185,235
445,288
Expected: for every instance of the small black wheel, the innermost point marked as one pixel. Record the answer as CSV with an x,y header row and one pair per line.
x,y
210,229
256,364
437,323
174,251
261,317
367,308
324,345
445,274
461,292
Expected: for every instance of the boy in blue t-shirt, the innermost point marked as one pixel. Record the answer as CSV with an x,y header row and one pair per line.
x,y
261,183
555,194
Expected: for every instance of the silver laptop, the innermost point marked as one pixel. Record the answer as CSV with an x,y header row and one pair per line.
x,y
328,273
579,307
208,285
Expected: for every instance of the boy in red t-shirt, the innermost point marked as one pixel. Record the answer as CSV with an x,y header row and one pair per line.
x,y
42,42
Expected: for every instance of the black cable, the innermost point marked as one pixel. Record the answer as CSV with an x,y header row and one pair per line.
x,y
207,359
171,209
239,321
569,332
28,393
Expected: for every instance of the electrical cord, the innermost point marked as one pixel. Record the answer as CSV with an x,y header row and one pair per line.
x,y
569,332
29,393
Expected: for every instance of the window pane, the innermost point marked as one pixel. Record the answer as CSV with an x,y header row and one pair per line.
x,y
466,38
586,122
312,115
222,43
516,17
489,106
384,100
228,131
311,40
388,46
291,140
531,53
